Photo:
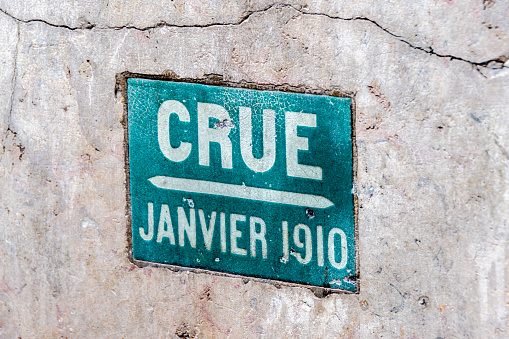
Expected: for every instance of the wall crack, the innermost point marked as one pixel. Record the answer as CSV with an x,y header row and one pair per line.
x,y
13,85
493,63
90,26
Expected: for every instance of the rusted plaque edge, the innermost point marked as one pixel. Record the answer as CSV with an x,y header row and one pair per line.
x,y
217,80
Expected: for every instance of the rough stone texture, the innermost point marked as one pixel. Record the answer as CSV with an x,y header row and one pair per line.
x,y
432,96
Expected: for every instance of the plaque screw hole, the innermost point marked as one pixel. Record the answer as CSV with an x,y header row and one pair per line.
x,y
423,301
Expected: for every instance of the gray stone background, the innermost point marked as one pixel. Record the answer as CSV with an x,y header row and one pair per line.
x,y
431,84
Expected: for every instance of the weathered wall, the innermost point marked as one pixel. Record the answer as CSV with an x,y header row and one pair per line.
x,y
432,96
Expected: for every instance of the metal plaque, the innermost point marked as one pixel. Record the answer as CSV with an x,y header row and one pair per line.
x,y
242,181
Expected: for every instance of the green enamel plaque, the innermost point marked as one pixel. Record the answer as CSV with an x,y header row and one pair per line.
x,y
248,182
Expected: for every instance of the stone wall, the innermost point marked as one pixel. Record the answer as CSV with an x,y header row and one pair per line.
x,y
431,86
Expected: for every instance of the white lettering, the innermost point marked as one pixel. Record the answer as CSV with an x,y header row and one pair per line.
x,y
319,245
301,248
269,140
236,233
207,232
148,236
260,236
300,244
344,249
167,108
286,251
185,227
162,231
207,135
295,143
222,220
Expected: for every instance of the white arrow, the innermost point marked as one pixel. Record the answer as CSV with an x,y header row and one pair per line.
x,y
242,192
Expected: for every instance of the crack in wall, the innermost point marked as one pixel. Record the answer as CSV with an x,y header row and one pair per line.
x,y
13,85
494,63
90,26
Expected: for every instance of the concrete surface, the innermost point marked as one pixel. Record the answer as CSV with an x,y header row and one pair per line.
x,y
432,95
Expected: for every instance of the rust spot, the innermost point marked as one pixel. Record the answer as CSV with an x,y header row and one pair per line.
x,y
224,124
206,294
375,90
488,3
376,124
394,140
183,331
86,70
